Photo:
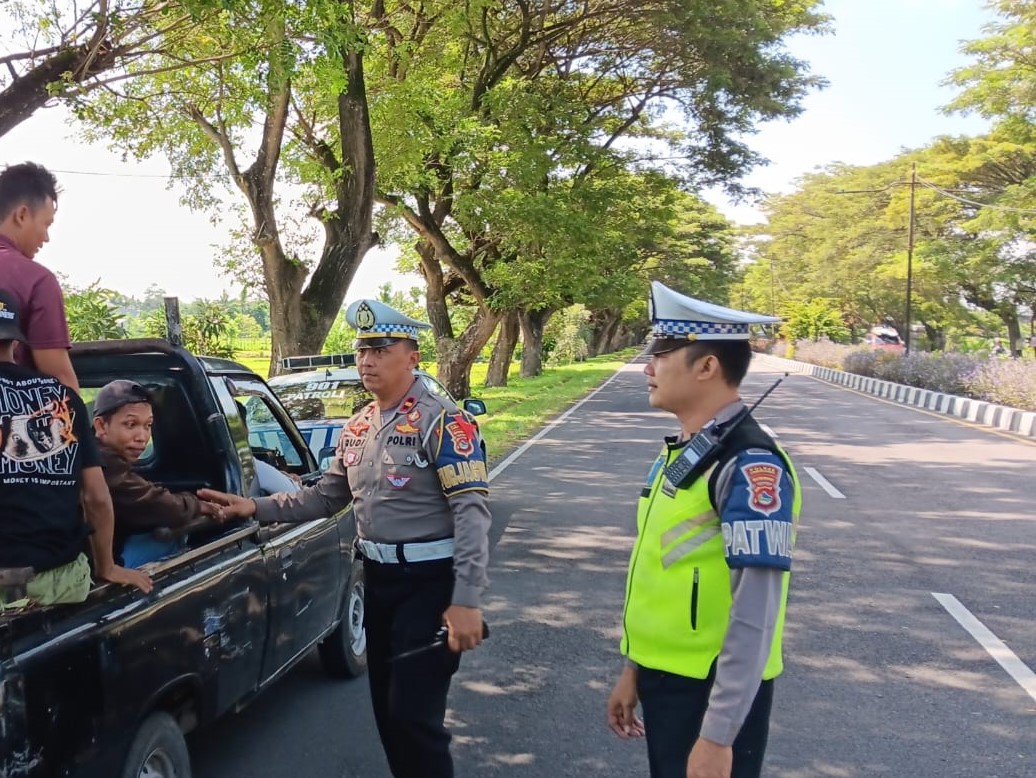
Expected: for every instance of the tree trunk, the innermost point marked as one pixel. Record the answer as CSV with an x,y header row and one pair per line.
x,y
301,315
622,337
503,351
605,324
455,354
533,323
1014,330
936,337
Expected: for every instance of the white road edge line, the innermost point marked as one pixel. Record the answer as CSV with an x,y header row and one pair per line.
x,y
551,425
824,484
993,645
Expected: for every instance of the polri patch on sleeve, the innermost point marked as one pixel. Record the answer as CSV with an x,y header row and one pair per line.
x,y
459,461
764,486
756,518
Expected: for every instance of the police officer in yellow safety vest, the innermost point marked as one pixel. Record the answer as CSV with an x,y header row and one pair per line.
x,y
708,577
411,463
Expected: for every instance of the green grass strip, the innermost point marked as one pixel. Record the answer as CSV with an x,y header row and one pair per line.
x,y
517,410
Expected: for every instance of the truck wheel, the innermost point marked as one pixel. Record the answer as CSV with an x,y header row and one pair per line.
x,y
343,653
158,750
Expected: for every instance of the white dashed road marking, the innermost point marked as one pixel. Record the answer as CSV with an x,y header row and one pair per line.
x,y
993,645
824,484
558,421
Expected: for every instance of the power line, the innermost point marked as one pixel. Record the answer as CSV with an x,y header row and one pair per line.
x,y
114,175
872,191
975,203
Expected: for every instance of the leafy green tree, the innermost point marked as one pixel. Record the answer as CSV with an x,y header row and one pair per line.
x,y
999,81
539,98
92,314
570,334
519,107
64,51
207,331
814,319
298,67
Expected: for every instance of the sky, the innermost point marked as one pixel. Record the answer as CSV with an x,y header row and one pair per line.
x,y
120,223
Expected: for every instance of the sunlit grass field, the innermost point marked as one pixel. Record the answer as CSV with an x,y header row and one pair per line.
x,y
517,410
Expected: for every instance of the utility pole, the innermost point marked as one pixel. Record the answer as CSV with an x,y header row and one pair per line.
x,y
910,257
773,303
173,326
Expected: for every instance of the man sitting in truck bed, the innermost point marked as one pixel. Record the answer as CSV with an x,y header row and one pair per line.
x,y
122,422
48,461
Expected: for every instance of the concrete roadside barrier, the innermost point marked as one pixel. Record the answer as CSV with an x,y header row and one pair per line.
x,y
999,417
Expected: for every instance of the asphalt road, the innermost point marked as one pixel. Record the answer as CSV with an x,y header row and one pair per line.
x,y
880,679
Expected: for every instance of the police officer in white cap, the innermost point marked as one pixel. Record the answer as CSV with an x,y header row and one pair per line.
x,y
412,464
708,577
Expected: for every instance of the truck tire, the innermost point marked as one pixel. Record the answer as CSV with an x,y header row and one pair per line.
x,y
158,750
343,653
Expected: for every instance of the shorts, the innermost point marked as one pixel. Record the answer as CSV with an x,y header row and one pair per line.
x,y
69,583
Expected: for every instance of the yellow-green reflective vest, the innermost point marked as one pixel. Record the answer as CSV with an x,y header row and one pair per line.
x,y
678,588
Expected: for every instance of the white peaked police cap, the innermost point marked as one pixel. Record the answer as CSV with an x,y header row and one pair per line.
x,y
677,319
379,325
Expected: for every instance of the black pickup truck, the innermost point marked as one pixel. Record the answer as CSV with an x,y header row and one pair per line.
x,y
109,687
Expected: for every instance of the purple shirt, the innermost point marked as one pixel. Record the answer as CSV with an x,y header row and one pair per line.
x,y
41,304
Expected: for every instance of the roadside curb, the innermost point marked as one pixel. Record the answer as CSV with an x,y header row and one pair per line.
x,y
987,414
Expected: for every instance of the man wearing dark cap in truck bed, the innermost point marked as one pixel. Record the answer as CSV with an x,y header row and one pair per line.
x,y
411,462
122,422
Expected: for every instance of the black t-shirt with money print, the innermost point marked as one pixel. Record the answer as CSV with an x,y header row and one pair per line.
x,y
45,442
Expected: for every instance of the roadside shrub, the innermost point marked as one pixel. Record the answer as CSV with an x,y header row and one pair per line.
x,y
1009,382
823,352
947,373
864,362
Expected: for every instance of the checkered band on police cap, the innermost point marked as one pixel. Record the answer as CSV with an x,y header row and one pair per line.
x,y
668,328
376,321
389,331
676,316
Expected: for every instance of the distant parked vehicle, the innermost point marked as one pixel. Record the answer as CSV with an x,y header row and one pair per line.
x,y
885,338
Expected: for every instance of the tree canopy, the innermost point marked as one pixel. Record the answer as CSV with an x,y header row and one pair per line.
x,y
534,154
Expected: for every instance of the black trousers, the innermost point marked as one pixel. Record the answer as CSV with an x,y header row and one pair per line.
x,y
403,607
674,707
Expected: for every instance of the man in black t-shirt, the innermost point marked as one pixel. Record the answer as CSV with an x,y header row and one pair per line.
x,y
48,461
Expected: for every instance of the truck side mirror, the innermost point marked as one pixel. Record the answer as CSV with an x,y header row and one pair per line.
x,y
474,407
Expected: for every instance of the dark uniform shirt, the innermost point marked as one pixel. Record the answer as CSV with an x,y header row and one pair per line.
x,y
416,473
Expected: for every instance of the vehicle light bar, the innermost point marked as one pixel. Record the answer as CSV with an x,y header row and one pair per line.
x,y
317,361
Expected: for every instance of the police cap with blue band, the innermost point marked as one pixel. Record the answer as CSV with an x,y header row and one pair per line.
x,y
677,320
379,325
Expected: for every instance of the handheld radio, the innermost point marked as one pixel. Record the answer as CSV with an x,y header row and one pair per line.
x,y
703,449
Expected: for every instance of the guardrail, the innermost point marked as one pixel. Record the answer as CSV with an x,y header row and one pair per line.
x,y
988,414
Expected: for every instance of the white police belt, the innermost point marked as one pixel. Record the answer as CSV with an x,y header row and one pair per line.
x,y
398,553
